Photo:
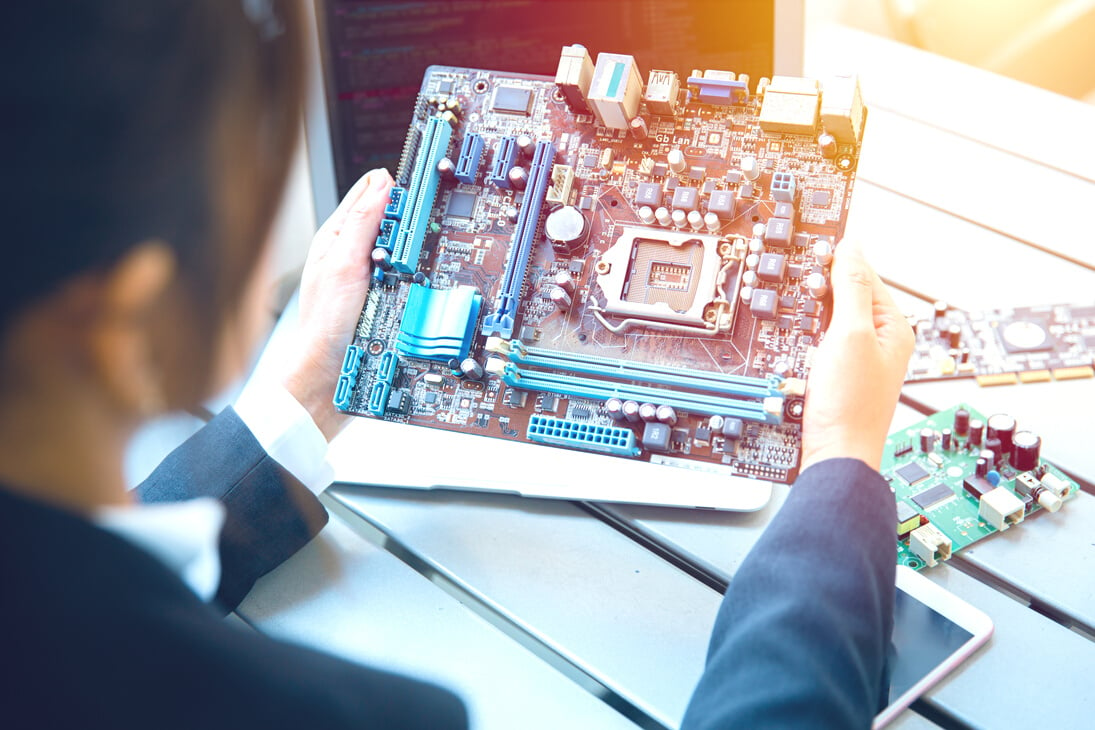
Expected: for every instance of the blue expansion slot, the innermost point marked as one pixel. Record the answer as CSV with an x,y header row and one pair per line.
x,y
504,159
344,391
501,320
585,436
733,385
719,92
421,192
574,386
378,398
389,229
471,153
397,199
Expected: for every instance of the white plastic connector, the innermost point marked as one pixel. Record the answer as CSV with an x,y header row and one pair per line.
x,y
1049,501
1055,484
929,544
1001,509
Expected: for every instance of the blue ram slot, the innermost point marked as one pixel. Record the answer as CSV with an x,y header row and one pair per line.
x,y
386,370
577,387
504,159
421,192
734,385
351,364
389,229
396,201
719,92
501,321
585,436
471,153
344,391
378,398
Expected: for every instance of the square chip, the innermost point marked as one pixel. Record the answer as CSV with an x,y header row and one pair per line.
x,y
772,267
932,496
778,232
648,193
685,198
512,100
461,205
821,198
763,304
721,204
912,473
784,210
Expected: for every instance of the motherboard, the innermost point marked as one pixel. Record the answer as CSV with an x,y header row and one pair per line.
x,y
959,477
635,265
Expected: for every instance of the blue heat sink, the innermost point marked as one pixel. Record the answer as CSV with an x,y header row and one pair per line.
x,y
438,324
580,435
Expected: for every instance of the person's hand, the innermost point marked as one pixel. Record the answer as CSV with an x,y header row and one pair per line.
x,y
332,293
858,369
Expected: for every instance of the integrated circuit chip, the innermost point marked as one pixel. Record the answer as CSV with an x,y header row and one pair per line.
x,y
648,193
772,267
461,205
721,204
685,198
912,473
932,496
778,232
763,304
512,100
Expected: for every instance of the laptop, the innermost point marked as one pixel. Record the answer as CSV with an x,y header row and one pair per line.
x,y
370,58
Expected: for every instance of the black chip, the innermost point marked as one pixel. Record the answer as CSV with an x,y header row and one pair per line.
x,y
772,267
788,303
912,473
784,210
932,496
821,198
672,183
648,193
656,436
660,169
794,271
703,434
904,512
697,173
709,187
576,266
461,205
810,325
399,402
733,177
445,86
810,306
430,398
586,203
721,204
778,232
590,160
732,428
786,323
746,190
802,240
512,100
549,403
763,304
685,198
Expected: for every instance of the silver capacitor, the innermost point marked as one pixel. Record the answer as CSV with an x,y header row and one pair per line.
x,y
648,412
667,415
631,411
817,285
663,216
447,168
518,178
679,218
567,230
526,144
559,298
750,168
638,128
676,161
712,222
382,259
471,369
826,144
564,281
646,214
823,252
695,219
749,278
615,409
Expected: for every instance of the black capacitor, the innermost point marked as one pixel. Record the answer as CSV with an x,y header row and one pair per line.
x,y
420,278
927,440
1001,426
454,367
1026,449
954,335
982,467
946,441
977,431
567,229
961,422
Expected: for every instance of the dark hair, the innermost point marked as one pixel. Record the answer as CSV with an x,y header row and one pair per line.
x,y
130,120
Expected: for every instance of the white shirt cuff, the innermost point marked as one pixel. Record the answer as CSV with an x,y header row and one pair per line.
x,y
285,429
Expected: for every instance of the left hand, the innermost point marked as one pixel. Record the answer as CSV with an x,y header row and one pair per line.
x,y
332,293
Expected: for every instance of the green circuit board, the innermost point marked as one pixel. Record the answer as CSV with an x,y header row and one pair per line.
x,y
943,505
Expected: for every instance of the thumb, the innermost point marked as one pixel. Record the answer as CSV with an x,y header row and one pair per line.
x,y
853,282
362,221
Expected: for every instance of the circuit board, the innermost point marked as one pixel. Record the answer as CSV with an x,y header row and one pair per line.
x,y
959,477
1005,346
597,263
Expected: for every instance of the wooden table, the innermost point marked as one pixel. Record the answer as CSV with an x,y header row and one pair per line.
x,y
973,189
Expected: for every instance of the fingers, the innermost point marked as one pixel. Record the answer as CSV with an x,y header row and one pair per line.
x,y
335,222
854,288
362,221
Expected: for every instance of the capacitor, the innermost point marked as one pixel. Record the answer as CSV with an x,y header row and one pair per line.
x,y
1026,449
638,128
954,335
756,246
518,178
662,216
564,281
712,222
676,160
646,214
750,169
667,415
977,431
927,440
615,408
648,412
946,440
746,294
826,144
631,411
471,369
382,259
751,261
940,310
962,422
605,161
823,251
526,144
749,278
567,230
981,468
454,367
1001,426
695,219
679,218
759,229
715,422
446,168
559,298
992,446
420,278
511,214
817,285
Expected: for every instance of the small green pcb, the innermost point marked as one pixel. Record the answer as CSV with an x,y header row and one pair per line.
x,y
947,500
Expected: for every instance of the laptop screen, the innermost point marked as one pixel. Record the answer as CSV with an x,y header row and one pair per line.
x,y
374,54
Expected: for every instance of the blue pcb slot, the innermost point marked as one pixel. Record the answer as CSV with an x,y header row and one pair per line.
x,y
504,159
386,370
585,436
378,398
421,192
501,321
719,92
396,201
344,391
351,364
471,153
389,229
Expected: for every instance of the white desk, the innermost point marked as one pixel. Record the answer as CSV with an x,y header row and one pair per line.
x,y
973,189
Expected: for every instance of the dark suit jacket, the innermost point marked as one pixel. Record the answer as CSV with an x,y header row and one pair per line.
x,y
98,633
800,640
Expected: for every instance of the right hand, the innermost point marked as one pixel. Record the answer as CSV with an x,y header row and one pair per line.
x,y
858,369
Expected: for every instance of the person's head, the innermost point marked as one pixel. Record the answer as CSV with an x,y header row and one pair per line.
x,y
146,146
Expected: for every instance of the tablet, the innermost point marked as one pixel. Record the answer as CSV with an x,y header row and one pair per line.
x,y
934,632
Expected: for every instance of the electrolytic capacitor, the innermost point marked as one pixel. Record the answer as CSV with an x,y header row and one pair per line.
x,y
518,178
471,369
749,278
564,281
646,214
756,246
1026,449
695,219
954,335
715,423
663,217
817,285
977,431
1001,426
826,144
615,408
751,261
940,310
511,214
992,446
526,145
823,252
759,229
712,222
962,422
559,298
746,294
648,412
638,128
454,367
981,468
420,278
945,440
667,415
631,411
446,168
750,169
567,229
676,161
927,440
382,259
679,218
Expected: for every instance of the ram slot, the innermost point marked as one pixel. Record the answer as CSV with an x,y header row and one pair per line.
x,y
421,192
471,152
734,385
501,320
577,387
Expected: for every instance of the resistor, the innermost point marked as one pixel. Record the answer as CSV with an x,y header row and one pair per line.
x,y
638,128
559,298
676,160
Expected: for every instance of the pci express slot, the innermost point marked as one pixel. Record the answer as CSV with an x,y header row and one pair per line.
x,y
420,195
578,387
734,385
580,435
501,320
504,159
471,152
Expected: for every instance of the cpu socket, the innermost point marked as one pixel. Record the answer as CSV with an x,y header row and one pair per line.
x,y
654,274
